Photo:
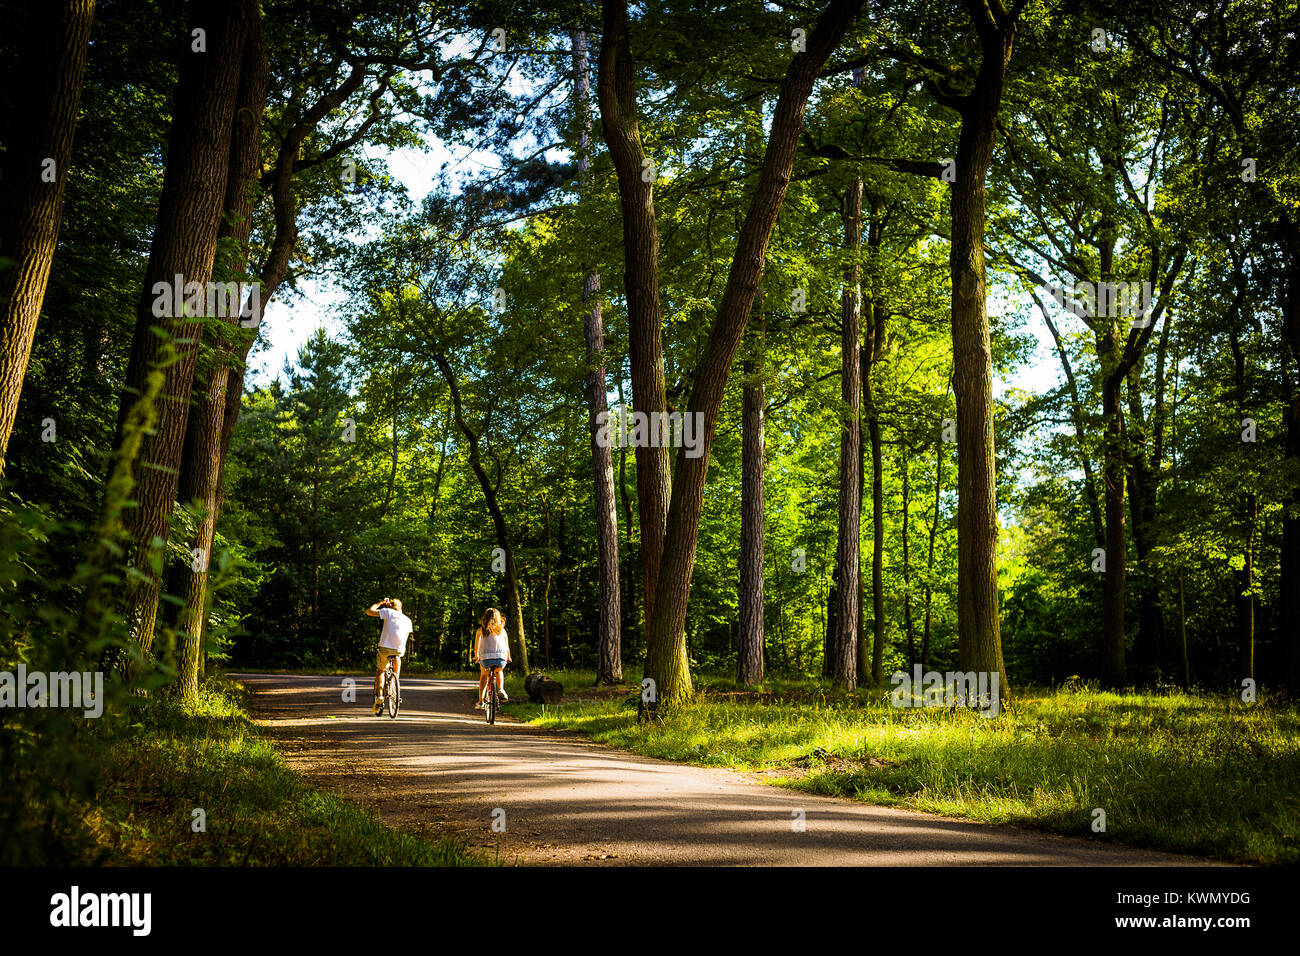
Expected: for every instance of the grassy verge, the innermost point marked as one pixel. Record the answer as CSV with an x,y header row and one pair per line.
x,y
1189,773
167,763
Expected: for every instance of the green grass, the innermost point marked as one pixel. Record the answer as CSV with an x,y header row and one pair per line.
x,y
169,762
1189,773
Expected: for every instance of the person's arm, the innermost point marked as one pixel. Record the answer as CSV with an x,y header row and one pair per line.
x,y
373,610
478,636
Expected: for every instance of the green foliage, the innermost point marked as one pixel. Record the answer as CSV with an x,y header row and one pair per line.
x,y
349,479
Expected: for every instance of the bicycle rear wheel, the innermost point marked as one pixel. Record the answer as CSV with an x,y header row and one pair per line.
x,y
490,703
392,694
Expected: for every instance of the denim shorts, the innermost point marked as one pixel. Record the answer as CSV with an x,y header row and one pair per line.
x,y
488,663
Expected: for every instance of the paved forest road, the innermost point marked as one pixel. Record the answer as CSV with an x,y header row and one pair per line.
x,y
568,800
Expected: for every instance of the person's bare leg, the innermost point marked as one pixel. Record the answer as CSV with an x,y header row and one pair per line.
x,y
482,681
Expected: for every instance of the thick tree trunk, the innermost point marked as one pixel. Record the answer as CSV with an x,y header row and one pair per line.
x,y
845,637
609,667
666,660
51,68
749,656
616,94
201,462
184,244
978,625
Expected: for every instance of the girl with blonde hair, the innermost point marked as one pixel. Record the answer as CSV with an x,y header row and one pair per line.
x,y
491,649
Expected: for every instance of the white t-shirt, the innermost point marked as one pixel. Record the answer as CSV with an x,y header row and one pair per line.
x,y
492,645
396,628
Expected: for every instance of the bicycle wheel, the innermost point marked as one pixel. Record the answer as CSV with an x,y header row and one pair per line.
x,y
490,703
392,694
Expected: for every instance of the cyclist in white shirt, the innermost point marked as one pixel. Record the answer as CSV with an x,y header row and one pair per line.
x,y
392,639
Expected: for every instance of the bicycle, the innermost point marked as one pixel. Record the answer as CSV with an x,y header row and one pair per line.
x,y
392,696
492,696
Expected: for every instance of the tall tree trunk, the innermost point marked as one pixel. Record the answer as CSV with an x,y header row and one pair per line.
x,y
877,549
609,667
1246,584
514,606
1142,470
749,656
546,592
1116,364
631,552
904,465
39,133
666,659
830,615
563,593
201,460
1144,488
616,94
845,637
1114,670
1182,634
392,469
1113,665
872,351
315,547
864,646
184,244
929,558
1289,582
1249,505
979,636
